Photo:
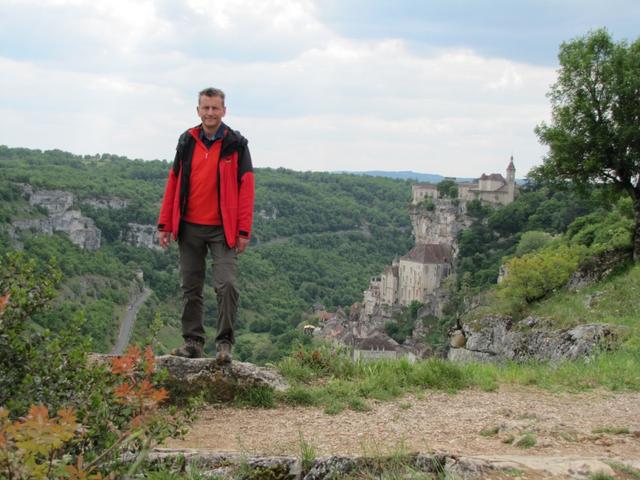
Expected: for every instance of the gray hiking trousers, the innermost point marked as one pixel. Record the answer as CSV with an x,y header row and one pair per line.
x,y
195,242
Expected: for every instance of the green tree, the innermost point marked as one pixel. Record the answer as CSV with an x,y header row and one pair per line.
x,y
594,135
447,189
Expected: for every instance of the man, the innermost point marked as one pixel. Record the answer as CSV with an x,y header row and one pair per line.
x,y
208,207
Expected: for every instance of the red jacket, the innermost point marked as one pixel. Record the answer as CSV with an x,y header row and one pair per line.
x,y
235,186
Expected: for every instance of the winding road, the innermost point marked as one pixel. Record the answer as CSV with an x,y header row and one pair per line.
x,y
126,325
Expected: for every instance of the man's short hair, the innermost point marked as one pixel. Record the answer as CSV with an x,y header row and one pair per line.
x,y
211,92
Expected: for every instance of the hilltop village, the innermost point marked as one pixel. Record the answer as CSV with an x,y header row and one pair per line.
x,y
418,275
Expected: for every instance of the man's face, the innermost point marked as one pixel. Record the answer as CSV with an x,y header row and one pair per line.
x,y
211,110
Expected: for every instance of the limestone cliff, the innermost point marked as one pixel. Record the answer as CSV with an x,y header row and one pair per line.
x,y
142,236
439,224
81,230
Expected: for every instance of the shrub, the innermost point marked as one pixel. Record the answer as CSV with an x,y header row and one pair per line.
x,y
37,446
102,413
535,275
531,241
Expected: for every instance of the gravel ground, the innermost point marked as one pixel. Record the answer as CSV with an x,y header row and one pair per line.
x,y
561,424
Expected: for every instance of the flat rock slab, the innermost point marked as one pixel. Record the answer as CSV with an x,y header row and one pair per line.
x,y
217,383
203,376
227,465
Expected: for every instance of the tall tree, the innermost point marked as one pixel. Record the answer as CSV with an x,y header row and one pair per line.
x,y
594,135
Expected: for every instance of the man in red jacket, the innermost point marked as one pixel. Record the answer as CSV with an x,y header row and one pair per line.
x,y
208,207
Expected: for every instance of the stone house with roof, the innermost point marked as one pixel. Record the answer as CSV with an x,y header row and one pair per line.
x,y
421,272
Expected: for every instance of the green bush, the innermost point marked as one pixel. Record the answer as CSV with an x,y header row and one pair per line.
x,y
535,275
532,241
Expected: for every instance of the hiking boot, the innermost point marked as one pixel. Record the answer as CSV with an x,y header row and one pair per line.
x,y
192,348
224,353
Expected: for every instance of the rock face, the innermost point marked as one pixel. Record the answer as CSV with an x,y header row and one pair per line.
x,y
55,201
440,225
598,267
82,230
143,236
188,377
498,338
107,202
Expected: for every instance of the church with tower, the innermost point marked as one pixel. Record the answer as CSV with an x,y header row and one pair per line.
x,y
493,188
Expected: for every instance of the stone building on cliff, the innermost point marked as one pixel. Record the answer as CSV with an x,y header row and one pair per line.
x,y
493,188
418,275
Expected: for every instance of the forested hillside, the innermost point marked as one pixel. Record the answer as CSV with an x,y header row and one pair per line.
x,y
317,238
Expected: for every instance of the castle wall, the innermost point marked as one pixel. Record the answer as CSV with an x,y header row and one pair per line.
x,y
489,185
420,191
418,280
388,287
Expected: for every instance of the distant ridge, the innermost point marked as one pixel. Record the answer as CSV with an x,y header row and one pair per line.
x,y
420,177
405,175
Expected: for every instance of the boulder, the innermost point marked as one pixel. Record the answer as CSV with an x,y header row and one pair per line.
x,y
216,382
498,338
203,376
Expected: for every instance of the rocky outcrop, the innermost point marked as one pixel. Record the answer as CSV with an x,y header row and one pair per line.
x,y
203,376
114,203
54,201
216,383
440,225
598,267
81,230
433,465
142,236
498,338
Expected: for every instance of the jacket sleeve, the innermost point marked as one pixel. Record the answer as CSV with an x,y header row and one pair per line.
x,y
165,220
245,194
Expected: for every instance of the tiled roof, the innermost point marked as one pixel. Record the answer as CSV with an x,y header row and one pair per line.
x,y
493,176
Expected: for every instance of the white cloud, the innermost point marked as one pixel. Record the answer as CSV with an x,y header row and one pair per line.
x,y
306,97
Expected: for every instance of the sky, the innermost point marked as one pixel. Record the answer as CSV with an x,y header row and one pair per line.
x,y
446,87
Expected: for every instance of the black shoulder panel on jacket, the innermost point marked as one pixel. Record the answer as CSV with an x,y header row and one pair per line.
x,y
183,146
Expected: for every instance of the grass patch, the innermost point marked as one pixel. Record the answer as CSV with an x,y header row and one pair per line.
x,y
359,405
490,431
571,437
334,408
600,476
260,396
611,430
527,440
629,472
299,395
308,454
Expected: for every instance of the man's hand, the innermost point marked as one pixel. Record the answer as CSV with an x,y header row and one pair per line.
x,y
241,244
164,238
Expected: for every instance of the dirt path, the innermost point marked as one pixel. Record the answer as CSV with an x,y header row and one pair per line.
x,y
561,424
